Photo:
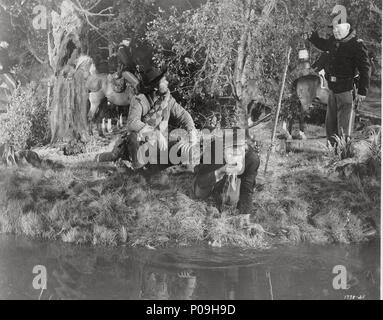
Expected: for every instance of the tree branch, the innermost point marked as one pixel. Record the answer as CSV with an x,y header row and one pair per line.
x,y
217,74
374,8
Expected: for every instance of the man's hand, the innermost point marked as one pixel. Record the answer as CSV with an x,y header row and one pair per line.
x,y
358,101
226,170
220,173
307,32
146,133
230,169
360,98
307,35
193,140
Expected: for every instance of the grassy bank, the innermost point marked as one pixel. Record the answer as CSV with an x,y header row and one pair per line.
x,y
299,200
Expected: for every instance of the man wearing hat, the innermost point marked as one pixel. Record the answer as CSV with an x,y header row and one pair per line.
x,y
148,120
228,171
347,56
127,66
125,57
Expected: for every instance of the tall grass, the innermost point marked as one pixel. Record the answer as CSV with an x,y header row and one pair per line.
x,y
342,149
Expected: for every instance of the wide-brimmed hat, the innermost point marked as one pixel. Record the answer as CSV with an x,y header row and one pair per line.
x,y
153,75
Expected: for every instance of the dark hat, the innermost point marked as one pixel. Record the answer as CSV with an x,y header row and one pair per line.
x,y
153,75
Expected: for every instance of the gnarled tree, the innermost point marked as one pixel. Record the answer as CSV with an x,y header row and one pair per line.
x,y
69,105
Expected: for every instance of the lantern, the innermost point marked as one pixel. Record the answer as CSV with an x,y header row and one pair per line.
x,y
304,56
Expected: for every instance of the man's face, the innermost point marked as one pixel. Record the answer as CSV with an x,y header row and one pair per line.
x,y
163,86
126,42
341,31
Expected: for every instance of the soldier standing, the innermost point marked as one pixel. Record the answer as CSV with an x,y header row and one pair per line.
x,y
347,58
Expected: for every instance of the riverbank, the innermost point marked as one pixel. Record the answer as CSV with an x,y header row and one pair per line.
x,y
299,200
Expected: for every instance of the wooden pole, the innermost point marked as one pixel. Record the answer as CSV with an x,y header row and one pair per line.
x,y
271,149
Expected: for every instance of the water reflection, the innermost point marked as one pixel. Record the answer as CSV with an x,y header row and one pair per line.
x,y
184,274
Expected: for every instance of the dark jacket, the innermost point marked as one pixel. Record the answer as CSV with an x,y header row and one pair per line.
x,y
347,57
205,184
125,56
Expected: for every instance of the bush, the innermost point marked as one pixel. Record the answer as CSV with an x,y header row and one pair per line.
x,y
26,124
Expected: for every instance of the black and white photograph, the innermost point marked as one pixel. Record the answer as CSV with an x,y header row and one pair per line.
x,y
203,150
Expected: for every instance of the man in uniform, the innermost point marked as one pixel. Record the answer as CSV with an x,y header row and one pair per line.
x,y
125,57
347,56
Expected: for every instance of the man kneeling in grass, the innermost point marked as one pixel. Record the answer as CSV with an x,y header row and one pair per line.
x,y
148,122
228,171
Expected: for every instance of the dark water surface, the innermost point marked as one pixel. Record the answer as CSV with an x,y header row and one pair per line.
x,y
73,272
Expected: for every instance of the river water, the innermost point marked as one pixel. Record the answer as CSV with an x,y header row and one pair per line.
x,y
285,272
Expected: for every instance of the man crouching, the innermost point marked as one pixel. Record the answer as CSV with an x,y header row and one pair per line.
x,y
148,121
228,171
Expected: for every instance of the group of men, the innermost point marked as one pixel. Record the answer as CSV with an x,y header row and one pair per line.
x,y
151,112
232,179
231,170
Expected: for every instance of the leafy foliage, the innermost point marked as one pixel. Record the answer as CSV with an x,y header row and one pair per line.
x,y
202,46
27,120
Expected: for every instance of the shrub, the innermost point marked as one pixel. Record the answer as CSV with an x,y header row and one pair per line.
x,y
342,150
27,122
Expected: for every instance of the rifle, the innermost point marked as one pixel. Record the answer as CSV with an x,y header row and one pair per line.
x,y
264,119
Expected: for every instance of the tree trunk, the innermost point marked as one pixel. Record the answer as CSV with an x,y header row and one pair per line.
x,y
69,114
69,103
242,69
